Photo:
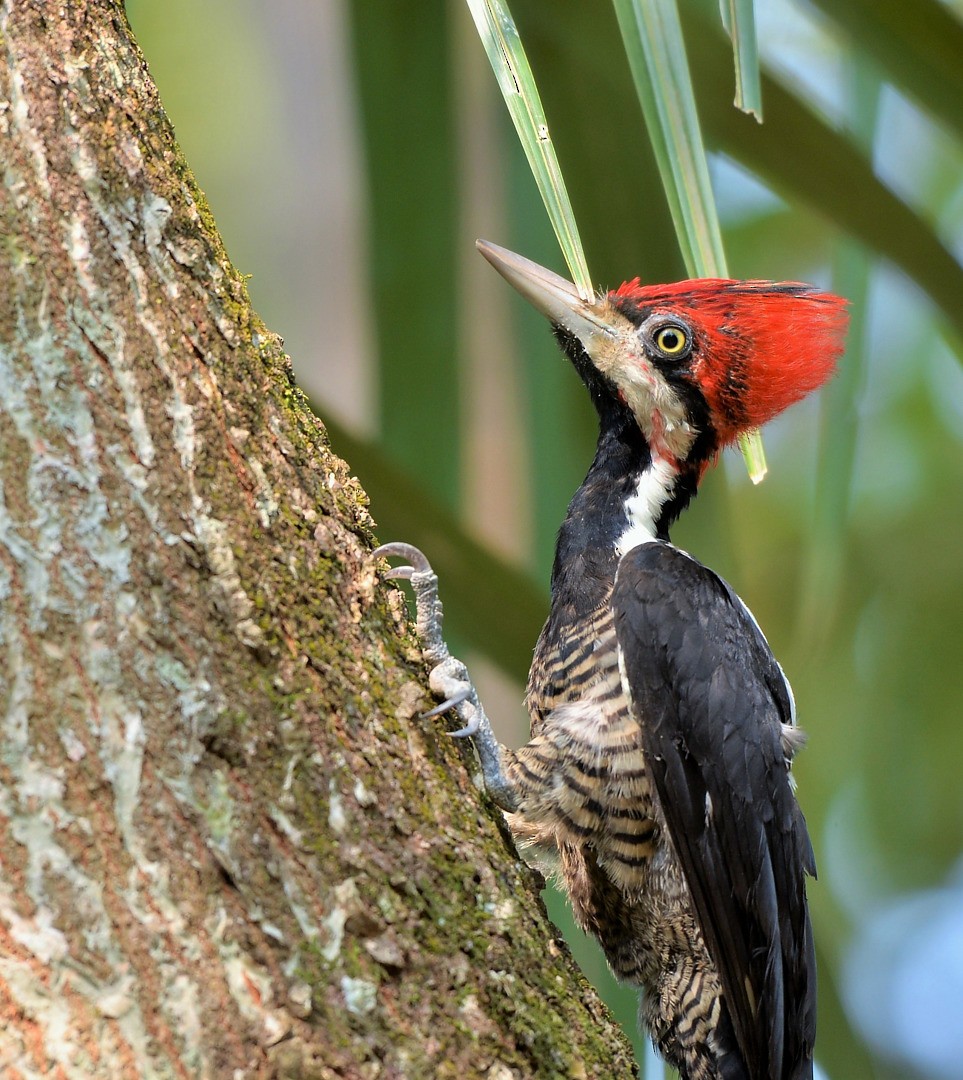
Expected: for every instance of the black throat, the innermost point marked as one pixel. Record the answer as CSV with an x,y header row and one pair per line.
x,y
608,503
604,510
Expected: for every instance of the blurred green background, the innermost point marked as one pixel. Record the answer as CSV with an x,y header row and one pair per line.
x,y
352,152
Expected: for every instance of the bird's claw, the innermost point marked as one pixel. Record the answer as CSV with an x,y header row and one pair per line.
x,y
449,677
424,583
450,680
469,730
417,562
449,703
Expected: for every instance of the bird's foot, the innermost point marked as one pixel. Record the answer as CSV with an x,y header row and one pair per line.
x,y
449,677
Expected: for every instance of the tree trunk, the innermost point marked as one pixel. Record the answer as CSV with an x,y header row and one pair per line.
x,y
228,846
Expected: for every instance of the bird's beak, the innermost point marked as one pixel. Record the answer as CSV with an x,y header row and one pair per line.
x,y
553,296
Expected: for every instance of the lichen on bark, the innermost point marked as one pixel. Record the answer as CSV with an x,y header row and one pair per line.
x,y
227,844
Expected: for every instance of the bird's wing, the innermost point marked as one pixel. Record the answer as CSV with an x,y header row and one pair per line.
x,y
711,701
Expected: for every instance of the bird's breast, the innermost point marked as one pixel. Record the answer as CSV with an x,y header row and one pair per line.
x,y
595,769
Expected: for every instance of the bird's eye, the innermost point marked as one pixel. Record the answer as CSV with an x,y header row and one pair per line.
x,y
671,340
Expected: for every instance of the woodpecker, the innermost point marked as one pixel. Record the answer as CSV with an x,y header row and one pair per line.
x,y
663,729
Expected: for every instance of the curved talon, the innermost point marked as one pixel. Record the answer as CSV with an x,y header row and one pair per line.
x,y
471,728
415,556
449,703
400,573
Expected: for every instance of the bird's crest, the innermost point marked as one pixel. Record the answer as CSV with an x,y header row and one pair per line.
x,y
760,345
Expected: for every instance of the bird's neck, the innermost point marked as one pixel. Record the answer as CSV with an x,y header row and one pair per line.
x,y
630,496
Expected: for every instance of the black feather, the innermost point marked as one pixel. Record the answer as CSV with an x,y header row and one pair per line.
x,y
711,699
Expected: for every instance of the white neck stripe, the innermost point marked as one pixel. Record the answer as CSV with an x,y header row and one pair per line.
x,y
643,509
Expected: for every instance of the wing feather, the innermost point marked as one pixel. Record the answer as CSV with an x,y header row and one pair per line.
x,y
711,701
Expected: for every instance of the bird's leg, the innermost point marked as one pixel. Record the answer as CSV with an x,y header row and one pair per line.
x,y
449,677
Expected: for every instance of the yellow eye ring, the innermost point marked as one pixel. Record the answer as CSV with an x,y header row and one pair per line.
x,y
671,340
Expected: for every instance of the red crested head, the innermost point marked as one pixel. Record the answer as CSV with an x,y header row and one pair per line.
x,y
696,363
752,348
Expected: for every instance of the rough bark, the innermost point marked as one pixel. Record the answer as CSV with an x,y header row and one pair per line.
x,y
227,847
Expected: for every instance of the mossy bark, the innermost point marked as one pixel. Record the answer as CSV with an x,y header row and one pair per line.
x,y
227,846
